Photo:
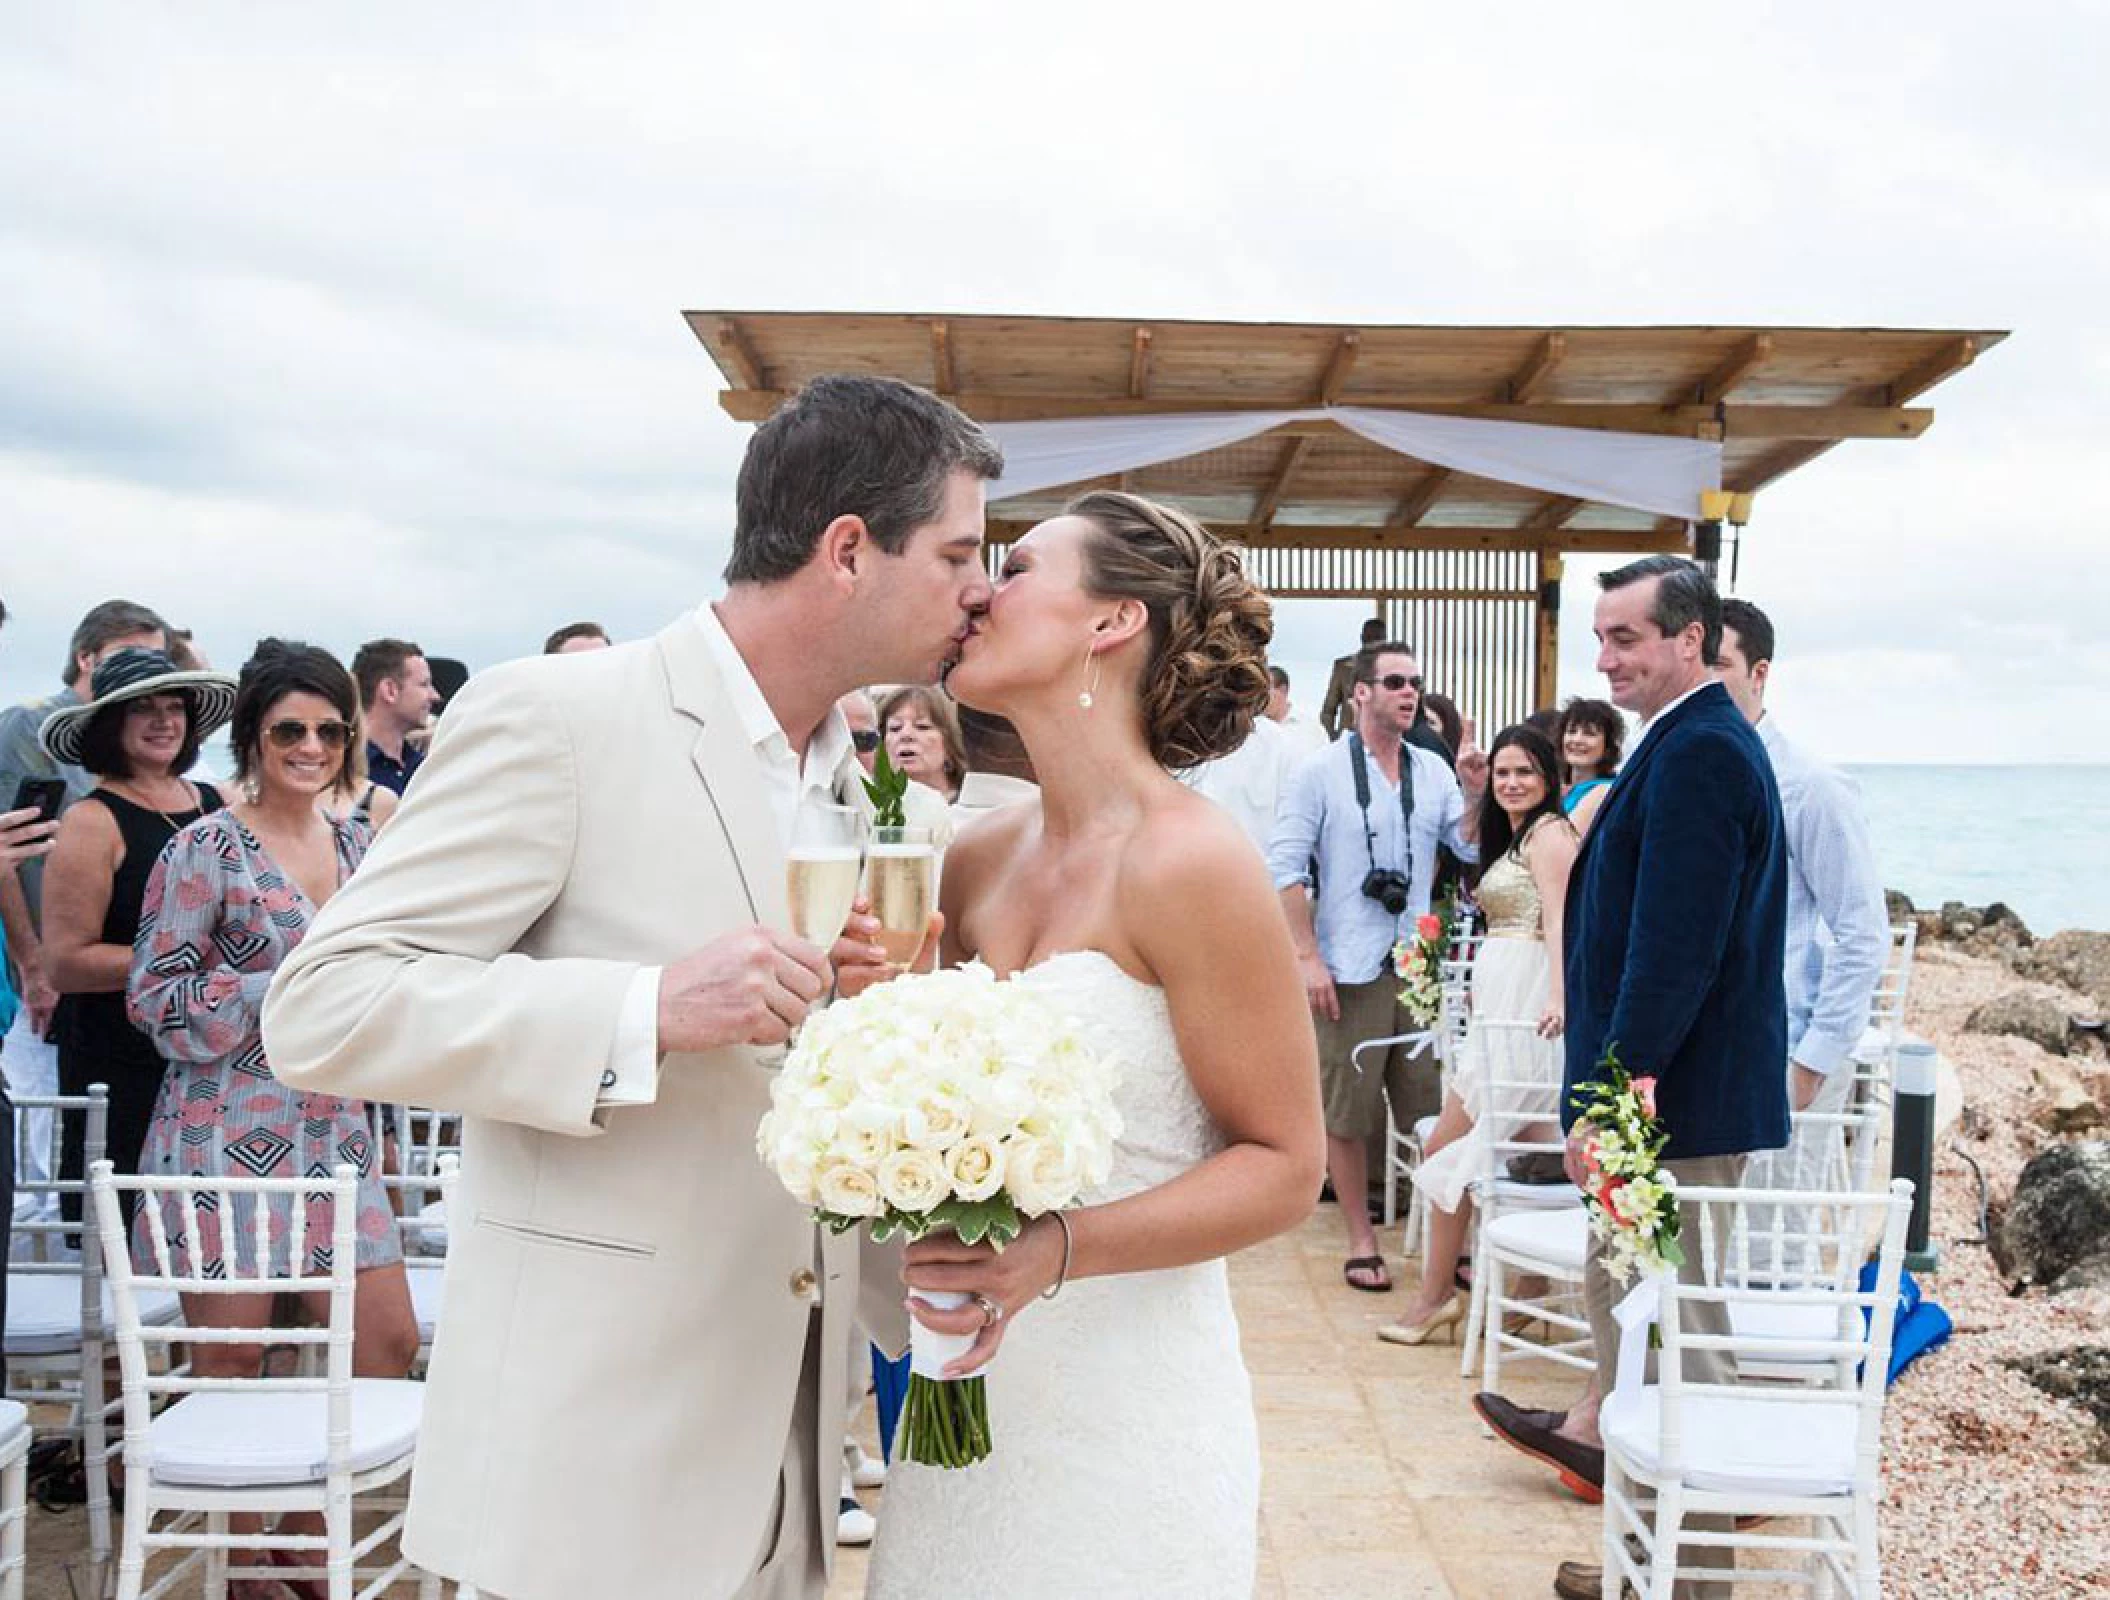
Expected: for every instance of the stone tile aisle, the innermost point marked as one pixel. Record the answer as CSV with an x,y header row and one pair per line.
x,y
1378,1480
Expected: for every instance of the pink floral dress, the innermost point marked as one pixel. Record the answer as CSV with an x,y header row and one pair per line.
x,y
218,918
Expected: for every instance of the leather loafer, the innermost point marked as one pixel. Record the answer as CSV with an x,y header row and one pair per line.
x,y
1578,1580
1581,1466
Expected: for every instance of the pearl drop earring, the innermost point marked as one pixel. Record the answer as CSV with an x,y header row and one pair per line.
x,y
1091,679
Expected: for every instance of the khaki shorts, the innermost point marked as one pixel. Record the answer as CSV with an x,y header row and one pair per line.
x,y
1355,1101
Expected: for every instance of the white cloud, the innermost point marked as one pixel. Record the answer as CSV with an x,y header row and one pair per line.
x,y
346,323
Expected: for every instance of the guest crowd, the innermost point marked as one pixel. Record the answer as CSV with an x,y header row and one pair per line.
x,y
1692,886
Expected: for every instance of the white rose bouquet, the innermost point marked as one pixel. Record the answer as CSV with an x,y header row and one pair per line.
x,y
941,1101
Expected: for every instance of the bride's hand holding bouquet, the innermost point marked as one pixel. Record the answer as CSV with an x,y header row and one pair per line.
x,y
953,1110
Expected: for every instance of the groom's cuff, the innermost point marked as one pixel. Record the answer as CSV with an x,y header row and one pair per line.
x,y
631,1077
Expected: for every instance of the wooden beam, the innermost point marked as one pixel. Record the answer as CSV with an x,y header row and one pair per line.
x,y
1690,422
1525,382
1825,422
1553,513
740,356
1414,505
1944,363
1740,363
1138,365
1271,497
1597,541
1338,366
1546,656
942,378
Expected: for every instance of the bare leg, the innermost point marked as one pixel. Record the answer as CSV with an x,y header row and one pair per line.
x,y
1348,1165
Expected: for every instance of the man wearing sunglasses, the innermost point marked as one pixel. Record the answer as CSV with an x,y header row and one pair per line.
x,y
1369,813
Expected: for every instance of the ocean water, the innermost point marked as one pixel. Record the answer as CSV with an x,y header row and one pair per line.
x,y
2035,837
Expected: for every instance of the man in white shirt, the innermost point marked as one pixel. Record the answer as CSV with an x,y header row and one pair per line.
x,y
1838,924
1369,812
1305,736
1248,782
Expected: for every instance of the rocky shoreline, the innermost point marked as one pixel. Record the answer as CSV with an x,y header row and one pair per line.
x,y
1997,1446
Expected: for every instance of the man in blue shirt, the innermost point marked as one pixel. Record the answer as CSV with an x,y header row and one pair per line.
x,y
397,698
1374,841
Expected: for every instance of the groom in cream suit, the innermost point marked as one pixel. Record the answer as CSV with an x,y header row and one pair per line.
x,y
575,932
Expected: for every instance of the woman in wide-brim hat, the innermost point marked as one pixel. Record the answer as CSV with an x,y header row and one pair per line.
x,y
138,733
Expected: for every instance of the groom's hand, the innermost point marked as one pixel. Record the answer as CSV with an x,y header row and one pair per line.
x,y
750,986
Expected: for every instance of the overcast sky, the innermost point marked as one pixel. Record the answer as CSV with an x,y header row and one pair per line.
x,y
336,321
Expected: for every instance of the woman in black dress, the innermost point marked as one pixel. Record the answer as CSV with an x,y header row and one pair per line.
x,y
139,734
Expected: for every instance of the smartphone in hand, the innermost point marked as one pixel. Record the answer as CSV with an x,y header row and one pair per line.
x,y
47,795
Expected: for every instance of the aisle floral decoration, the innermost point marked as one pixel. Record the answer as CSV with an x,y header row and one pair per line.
x,y
1632,1201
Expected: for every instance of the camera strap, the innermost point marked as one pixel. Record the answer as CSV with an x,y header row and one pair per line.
x,y
1360,763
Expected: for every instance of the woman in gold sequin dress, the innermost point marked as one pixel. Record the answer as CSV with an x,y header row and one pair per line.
x,y
1528,847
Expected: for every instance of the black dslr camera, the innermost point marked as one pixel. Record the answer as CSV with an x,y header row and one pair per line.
x,y
1388,888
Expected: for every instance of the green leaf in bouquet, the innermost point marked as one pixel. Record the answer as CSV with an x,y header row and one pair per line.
x,y
887,788
995,1219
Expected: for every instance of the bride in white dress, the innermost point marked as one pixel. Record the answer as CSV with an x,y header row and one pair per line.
x,y
1122,640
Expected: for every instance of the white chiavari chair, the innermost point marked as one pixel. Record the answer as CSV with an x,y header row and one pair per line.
x,y
1678,1448
1522,1229
251,1446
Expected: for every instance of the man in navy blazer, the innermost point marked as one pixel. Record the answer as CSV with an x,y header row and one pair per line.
x,y
1676,918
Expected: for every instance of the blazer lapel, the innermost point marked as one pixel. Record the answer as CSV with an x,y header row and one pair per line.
x,y
726,764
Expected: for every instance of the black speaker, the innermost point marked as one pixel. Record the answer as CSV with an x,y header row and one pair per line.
x,y
1707,541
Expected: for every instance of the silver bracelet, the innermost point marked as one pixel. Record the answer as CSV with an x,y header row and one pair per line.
x,y
1063,1276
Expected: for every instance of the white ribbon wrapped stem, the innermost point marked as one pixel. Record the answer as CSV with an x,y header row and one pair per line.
x,y
929,1350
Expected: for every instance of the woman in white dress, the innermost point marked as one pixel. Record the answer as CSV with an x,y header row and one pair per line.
x,y
1123,640
1528,847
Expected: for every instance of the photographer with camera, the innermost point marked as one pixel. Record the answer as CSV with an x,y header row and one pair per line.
x,y
1368,815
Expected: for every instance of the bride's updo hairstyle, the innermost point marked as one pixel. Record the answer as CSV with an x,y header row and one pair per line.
x,y
1206,676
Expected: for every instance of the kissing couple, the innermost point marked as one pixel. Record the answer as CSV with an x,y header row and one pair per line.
x,y
575,932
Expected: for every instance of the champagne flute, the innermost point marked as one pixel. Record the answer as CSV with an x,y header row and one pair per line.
x,y
821,869
901,882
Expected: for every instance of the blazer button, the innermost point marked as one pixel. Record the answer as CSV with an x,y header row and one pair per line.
x,y
804,1285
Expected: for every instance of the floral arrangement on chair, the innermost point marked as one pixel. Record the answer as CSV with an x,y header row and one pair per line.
x,y
1419,963
941,1101
1632,1201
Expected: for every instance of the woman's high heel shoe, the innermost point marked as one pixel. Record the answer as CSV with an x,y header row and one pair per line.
x,y
1444,1320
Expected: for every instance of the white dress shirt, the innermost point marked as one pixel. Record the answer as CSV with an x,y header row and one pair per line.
x,y
986,791
1249,781
1319,818
633,1059
1838,924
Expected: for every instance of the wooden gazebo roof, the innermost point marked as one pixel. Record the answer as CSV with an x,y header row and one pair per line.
x,y
1775,397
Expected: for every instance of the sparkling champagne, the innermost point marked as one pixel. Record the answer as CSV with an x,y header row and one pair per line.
x,y
900,882
822,880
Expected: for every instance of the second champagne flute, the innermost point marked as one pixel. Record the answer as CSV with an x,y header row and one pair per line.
x,y
901,881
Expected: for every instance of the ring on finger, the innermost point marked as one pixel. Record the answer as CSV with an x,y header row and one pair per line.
x,y
992,1313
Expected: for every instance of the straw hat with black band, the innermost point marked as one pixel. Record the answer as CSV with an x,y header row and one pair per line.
x,y
131,674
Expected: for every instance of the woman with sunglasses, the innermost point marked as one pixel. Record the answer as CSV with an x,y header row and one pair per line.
x,y
231,896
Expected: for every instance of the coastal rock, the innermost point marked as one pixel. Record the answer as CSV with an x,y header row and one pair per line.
x,y
2075,958
1898,906
2059,1216
2083,1276
1992,930
2021,1015
2079,1376
2068,1106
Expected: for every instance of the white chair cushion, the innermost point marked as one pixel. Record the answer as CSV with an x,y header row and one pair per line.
x,y
1513,1196
1559,1238
430,1234
14,1416
427,1291
44,1312
235,1440
1743,1442
1760,1319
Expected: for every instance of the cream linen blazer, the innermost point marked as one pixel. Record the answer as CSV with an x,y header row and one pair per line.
x,y
628,1290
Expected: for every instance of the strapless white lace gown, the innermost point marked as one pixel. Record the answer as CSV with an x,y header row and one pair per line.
x,y
1127,1460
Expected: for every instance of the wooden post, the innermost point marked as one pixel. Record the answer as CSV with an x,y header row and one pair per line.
x,y
1548,656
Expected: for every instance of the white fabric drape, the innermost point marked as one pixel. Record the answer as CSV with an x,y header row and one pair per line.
x,y
1641,472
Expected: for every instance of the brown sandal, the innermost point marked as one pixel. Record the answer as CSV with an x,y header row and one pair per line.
x,y
1376,1264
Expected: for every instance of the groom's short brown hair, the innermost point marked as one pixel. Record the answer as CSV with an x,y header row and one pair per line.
x,y
874,448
